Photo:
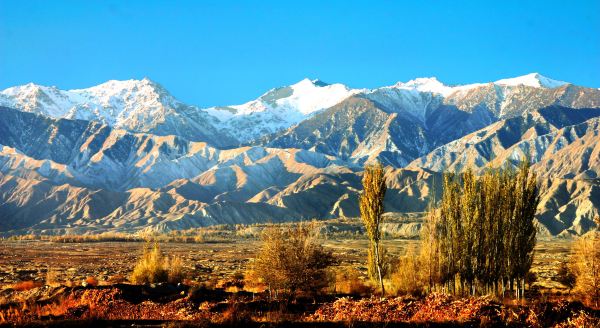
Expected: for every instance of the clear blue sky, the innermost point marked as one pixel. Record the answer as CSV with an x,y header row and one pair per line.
x,y
222,52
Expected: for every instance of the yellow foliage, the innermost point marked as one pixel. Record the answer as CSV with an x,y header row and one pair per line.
x,y
153,267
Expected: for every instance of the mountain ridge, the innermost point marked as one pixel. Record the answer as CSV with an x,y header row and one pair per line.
x,y
128,156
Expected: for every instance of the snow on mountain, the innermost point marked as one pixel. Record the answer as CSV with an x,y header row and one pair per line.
x,y
279,108
145,106
532,80
133,105
113,102
432,85
62,173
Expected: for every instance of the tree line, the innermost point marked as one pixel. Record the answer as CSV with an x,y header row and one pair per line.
x,y
481,237
478,239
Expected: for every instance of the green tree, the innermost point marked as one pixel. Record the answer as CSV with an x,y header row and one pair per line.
x,y
371,211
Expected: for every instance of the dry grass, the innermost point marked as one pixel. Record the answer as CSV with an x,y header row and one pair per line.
x,y
91,281
347,281
116,279
190,236
176,273
26,285
153,267
51,277
410,276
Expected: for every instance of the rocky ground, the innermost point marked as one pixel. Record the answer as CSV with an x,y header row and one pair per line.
x,y
56,290
162,305
71,263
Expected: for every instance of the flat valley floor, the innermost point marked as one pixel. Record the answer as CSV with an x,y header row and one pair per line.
x,y
72,263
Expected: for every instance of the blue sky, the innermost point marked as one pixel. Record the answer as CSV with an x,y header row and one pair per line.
x,y
227,52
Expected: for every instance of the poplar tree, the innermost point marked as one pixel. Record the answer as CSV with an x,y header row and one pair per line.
x,y
371,211
482,235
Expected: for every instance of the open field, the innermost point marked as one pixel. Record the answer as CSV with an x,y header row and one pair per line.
x,y
71,263
59,296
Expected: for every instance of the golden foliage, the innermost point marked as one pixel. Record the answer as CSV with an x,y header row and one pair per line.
x,y
291,259
347,281
409,278
371,211
585,265
153,267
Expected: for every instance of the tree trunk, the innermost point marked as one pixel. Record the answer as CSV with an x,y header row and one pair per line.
x,y
379,268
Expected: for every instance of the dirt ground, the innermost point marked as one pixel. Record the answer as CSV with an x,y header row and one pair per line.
x,y
73,262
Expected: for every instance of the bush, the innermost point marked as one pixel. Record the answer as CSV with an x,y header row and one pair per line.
x,y
27,285
348,281
176,273
290,259
585,265
153,267
565,276
409,277
91,281
51,277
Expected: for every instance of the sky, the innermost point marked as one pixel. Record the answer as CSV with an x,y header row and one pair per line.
x,y
210,53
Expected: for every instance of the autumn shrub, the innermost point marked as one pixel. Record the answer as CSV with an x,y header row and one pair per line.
x,y
116,279
26,285
153,267
176,273
234,315
409,277
253,283
566,276
347,281
585,265
51,277
290,259
91,281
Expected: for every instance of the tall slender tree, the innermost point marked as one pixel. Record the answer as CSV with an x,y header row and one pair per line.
x,y
482,235
371,211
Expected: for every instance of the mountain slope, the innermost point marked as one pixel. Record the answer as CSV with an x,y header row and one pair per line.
x,y
279,108
127,156
540,137
137,106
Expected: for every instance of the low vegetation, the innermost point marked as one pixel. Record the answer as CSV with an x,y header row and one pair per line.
x,y
291,259
27,285
583,272
153,267
476,249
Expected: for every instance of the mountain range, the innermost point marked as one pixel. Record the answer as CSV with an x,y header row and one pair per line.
x,y
128,156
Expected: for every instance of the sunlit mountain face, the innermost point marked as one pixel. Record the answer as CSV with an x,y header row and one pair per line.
x,y
128,156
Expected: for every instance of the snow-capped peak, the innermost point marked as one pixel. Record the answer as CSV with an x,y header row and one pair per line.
x,y
298,100
535,80
306,82
432,85
116,87
424,84
128,103
280,108
312,95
